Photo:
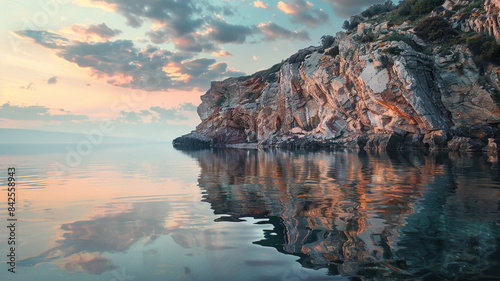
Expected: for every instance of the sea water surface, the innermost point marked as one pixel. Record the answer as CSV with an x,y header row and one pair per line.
x,y
150,212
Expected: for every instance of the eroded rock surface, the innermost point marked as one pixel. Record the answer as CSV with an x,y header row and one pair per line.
x,y
386,93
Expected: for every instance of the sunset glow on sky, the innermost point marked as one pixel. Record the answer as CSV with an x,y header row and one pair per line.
x,y
67,64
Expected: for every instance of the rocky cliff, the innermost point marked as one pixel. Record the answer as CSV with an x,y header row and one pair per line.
x,y
392,81
487,22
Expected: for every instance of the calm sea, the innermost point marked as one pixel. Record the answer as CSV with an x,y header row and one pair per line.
x,y
150,212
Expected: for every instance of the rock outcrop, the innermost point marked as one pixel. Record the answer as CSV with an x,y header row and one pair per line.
x,y
376,87
193,140
487,21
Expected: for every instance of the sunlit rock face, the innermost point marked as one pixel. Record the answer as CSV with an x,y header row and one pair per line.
x,y
359,215
383,94
487,22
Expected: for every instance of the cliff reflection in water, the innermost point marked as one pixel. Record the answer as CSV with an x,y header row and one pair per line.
x,y
364,215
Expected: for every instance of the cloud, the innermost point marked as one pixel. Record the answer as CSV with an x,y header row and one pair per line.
x,y
273,32
179,14
260,4
173,19
197,26
199,71
221,53
286,8
130,116
144,113
347,8
108,7
302,11
45,38
215,30
36,113
187,106
28,87
52,80
223,32
120,63
186,42
182,22
225,10
102,31
157,114
167,114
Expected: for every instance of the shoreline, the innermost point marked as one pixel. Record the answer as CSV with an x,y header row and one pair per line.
x,y
372,142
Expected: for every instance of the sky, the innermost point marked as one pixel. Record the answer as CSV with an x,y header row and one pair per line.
x,y
141,66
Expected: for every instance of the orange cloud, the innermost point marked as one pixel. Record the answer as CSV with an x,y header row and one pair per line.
x,y
286,8
119,79
260,4
174,70
302,11
221,53
184,42
94,4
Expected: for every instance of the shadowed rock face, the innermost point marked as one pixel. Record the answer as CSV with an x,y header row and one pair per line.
x,y
379,95
387,216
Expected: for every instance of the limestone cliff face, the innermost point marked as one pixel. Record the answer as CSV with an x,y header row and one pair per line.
x,y
487,21
391,92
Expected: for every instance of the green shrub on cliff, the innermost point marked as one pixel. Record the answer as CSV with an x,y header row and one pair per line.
x,y
413,9
393,51
367,38
406,39
478,4
423,7
334,52
404,8
327,41
378,9
417,7
434,29
484,48
270,74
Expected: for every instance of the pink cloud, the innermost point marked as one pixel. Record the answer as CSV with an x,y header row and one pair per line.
x,y
221,53
260,4
95,33
287,8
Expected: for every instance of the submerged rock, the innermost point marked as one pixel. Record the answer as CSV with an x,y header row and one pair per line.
x,y
192,140
465,144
